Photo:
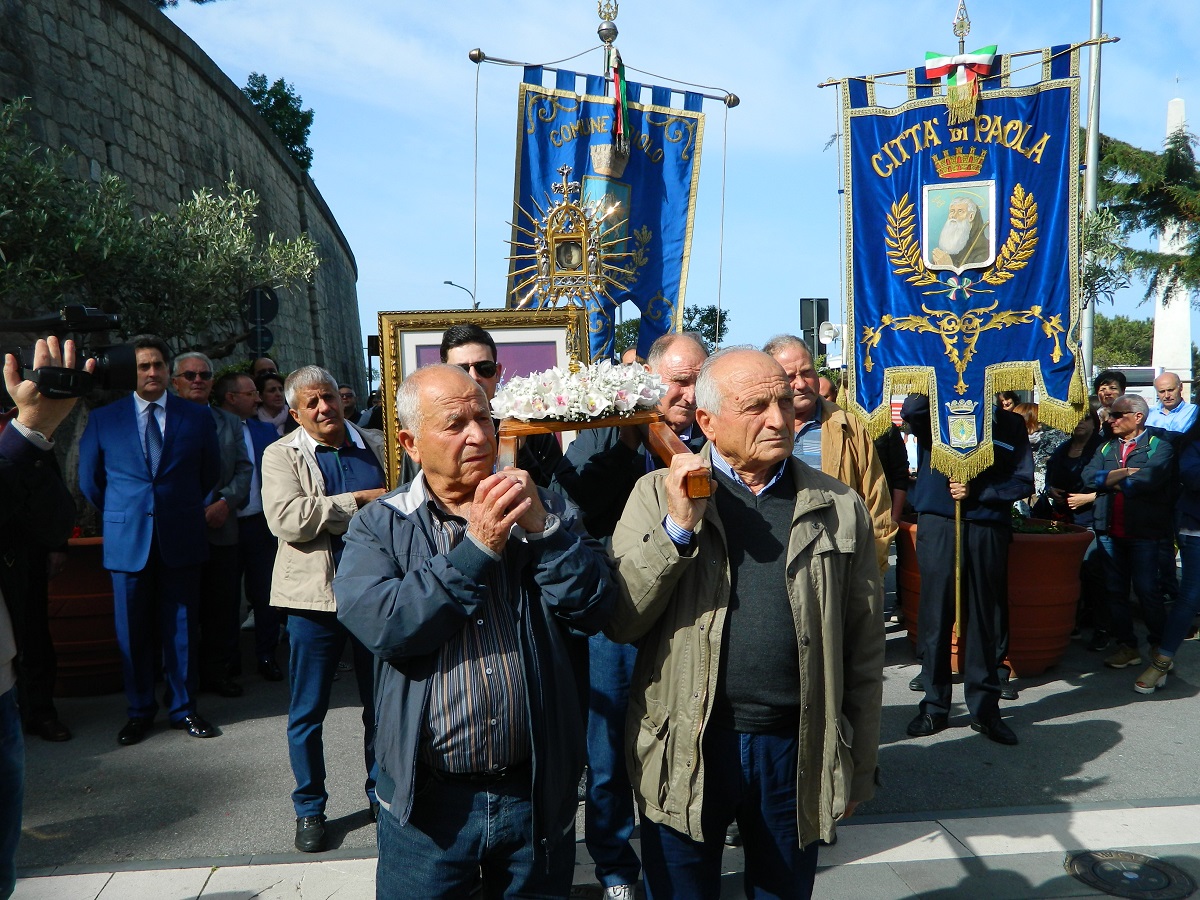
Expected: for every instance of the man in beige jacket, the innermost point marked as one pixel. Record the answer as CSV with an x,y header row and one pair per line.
x,y
830,440
313,483
758,684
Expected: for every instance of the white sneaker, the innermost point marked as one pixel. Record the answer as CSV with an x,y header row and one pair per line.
x,y
619,892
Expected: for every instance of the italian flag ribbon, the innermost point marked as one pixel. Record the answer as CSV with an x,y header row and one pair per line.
x,y
956,284
962,75
621,101
961,69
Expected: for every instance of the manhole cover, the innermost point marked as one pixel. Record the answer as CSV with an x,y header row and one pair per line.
x,y
1124,874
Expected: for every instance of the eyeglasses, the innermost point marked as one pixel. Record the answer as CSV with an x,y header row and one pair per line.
x,y
1117,415
192,376
346,396
485,367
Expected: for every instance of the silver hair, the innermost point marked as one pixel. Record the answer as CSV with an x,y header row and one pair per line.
x,y
708,388
664,343
785,341
193,354
408,395
1136,404
304,378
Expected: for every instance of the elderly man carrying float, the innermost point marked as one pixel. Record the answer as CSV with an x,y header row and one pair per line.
x,y
464,584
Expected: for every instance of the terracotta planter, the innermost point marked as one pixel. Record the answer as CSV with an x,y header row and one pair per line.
x,y
1043,592
81,623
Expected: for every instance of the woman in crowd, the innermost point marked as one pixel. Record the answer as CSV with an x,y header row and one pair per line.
x,y
1044,442
274,408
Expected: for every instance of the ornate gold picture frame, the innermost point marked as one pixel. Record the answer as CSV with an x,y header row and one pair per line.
x,y
526,341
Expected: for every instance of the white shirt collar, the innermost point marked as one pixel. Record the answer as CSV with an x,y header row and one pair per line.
x,y
307,440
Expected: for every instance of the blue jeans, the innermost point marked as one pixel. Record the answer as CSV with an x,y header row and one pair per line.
x,y
12,789
608,812
1132,559
460,833
750,777
317,640
1188,604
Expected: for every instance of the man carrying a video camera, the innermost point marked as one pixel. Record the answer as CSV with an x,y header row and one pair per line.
x,y
35,503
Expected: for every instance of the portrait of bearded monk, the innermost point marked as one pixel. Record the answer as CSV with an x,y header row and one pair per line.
x,y
964,237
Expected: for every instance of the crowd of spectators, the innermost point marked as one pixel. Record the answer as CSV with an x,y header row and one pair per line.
x,y
508,627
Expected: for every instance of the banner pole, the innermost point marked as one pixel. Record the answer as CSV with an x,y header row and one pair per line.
x,y
958,571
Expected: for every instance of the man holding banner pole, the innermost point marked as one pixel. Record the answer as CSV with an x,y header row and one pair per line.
x,y
979,564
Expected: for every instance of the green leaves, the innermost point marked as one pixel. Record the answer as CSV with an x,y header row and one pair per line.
x,y
178,274
280,105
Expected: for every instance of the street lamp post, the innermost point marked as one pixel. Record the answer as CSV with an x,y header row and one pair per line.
x,y
474,302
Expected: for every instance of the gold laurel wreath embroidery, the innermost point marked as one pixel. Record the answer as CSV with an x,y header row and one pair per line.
x,y
905,252
1022,238
638,257
906,258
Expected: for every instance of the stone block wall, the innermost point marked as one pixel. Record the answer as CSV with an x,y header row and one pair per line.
x,y
119,83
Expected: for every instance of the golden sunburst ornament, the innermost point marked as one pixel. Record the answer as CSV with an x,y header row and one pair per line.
x,y
570,257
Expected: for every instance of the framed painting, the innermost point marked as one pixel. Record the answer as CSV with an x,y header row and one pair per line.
x,y
527,341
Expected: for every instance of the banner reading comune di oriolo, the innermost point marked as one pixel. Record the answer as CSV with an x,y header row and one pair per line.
x,y
963,260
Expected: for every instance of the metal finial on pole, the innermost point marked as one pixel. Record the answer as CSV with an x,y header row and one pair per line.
x,y
962,26
607,10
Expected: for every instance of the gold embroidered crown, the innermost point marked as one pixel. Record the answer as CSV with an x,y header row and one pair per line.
x,y
959,164
962,407
607,161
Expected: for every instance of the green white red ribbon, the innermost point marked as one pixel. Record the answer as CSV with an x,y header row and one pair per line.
x,y
961,69
621,101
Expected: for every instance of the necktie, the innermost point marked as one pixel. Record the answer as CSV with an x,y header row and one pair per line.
x,y
154,439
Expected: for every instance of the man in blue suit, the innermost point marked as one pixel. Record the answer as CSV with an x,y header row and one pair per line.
x,y
235,393
147,462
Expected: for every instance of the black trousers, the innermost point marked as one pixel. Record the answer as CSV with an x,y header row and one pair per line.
x,y
984,634
220,600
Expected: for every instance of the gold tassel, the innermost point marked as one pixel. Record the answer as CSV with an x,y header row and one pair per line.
x,y
960,101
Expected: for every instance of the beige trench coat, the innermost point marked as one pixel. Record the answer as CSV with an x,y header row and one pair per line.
x,y
302,517
674,607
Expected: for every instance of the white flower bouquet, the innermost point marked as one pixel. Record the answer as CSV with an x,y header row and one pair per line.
x,y
597,391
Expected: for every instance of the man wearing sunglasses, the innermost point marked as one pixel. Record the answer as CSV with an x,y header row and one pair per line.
x,y
1133,475
219,595
473,350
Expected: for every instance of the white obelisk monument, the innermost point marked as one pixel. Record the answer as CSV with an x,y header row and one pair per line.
x,y
1173,311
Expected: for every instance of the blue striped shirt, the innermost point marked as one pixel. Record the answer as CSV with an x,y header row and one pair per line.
x,y
477,719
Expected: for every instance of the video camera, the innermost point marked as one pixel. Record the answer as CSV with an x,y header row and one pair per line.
x,y
116,364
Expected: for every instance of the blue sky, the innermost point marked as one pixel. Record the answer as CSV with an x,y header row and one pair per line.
x,y
394,95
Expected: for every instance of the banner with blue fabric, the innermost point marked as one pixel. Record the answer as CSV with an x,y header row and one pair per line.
x,y
964,249
651,192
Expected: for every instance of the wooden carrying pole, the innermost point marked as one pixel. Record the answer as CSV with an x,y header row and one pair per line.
x,y
658,436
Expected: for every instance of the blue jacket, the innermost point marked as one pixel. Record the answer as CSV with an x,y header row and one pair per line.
x,y
135,508
992,493
403,600
1149,492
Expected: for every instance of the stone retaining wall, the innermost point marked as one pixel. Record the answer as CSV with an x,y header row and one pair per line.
x,y
118,82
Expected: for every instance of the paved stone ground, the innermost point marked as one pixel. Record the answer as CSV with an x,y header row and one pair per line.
x,y
1088,742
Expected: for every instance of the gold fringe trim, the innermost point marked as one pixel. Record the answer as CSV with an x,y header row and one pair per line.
x,y
958,467
960,101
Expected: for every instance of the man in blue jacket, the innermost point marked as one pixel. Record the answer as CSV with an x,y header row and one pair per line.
x,y
147,462
464,584
986,502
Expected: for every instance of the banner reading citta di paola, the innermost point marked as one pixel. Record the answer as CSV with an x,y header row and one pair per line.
x,y
963,269
651,192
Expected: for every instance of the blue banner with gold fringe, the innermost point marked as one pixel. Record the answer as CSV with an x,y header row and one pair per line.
x,y
963,268
650,192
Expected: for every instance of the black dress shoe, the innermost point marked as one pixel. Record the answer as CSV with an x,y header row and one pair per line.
x,y
375,811
995,730
926,724
269,670
733,835
133,732
1007,691
197,726
310,834
49,728
222,687
916,685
